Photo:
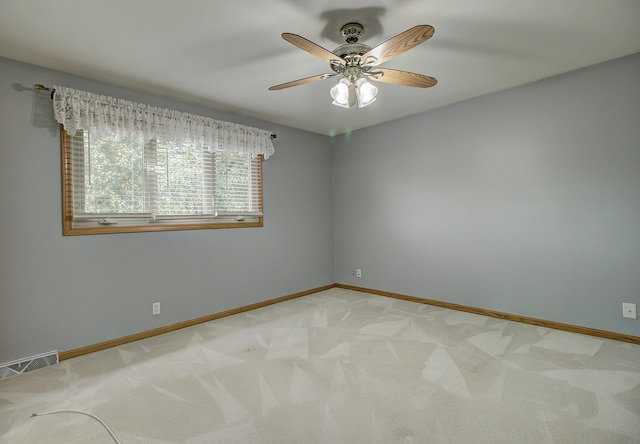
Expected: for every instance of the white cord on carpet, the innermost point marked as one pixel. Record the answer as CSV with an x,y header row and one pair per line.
x,y
113,435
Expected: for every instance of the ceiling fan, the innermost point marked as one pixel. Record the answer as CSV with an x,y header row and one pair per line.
x,y
356,62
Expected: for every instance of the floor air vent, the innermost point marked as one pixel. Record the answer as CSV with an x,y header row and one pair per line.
x,y
13,368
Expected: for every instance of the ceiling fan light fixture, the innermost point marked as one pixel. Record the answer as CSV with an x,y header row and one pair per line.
x,y
366,92
340,93
356,63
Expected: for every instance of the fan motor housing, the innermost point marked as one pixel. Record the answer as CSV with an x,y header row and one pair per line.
x,y
350,49
351,33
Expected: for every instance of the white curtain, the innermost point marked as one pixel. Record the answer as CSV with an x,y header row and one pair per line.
x,y
102,115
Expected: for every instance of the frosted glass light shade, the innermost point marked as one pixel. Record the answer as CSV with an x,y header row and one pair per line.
x,y
340,93
366,92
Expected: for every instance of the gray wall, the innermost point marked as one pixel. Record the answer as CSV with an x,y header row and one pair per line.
x,y
525,201
61,292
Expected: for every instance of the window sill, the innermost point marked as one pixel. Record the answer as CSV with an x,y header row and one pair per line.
x,y
70,230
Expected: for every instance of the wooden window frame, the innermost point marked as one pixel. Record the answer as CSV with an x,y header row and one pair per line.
x,y
69,229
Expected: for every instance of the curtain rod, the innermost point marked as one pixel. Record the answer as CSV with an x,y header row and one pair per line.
x,y
41,88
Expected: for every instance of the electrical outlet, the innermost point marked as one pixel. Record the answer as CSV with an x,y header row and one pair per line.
x,y
358,273
156,308
629,310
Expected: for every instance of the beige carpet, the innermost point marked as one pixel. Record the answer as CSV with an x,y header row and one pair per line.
x,y
338,367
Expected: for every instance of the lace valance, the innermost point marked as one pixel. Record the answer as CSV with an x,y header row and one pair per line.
x,y
101,115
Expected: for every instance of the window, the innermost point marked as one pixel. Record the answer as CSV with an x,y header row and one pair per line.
x,y
119,184
131,167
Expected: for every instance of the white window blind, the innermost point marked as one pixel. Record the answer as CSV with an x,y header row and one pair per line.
x,y
127,182
108,176
182,180
237,185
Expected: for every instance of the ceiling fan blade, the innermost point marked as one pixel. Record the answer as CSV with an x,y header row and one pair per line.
x,y
399,44
311,47
403,78
301,81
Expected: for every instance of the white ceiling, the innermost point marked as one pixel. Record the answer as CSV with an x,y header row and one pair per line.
x,y
226,54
